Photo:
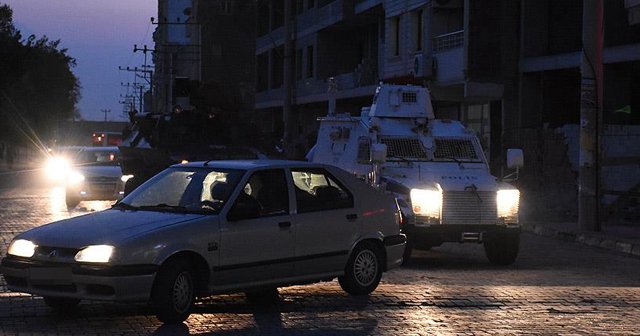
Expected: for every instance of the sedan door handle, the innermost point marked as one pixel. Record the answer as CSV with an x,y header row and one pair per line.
x,y
284,225
352,217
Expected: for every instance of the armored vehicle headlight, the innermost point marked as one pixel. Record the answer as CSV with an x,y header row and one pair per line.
x,y
95,254
508,202
426,202
22,248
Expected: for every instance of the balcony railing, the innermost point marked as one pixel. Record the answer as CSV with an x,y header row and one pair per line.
x,y
448,41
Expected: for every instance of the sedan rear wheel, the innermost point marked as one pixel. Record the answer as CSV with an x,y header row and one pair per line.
x,y
61,304
263,297
363,270
174,291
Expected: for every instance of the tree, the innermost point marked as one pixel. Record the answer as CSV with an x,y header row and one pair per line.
x,y
37,87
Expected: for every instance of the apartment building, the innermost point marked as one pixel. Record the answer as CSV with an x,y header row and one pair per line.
x,y
339,39
550,101
363,42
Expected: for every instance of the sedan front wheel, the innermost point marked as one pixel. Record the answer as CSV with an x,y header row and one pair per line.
x,y
363,271
174,291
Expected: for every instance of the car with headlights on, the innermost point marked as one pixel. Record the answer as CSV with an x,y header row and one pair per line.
x,y
206,228
88,173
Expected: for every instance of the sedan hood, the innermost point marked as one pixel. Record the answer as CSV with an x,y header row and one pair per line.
x,y
105,227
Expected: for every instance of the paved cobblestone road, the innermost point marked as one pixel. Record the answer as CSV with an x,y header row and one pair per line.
x,y
554,287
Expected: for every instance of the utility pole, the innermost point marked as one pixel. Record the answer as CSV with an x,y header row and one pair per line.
x,y
591,95
287,113
146,71
139,86
105,111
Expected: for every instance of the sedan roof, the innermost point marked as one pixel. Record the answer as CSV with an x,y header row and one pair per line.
x,y
248,164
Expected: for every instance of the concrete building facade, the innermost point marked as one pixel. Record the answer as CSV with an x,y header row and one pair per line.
x,y
508,69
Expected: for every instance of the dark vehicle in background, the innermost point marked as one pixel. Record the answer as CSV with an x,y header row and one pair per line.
x,y
155,141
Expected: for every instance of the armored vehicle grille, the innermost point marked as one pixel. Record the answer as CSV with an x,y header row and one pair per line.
x,y
461,149
409,97
404,147
469,207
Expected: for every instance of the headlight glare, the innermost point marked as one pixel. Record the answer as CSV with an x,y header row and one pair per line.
x,y
22,248
57,168
508,202
76,178
95,254
426,203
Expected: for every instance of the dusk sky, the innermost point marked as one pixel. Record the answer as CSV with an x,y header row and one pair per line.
x,y
100,35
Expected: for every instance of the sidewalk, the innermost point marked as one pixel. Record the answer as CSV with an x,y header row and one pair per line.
x,y
623,239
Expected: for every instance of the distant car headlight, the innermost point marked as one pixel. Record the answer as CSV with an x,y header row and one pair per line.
x,y
57,168
427,203
95,254
125,178
508,202
22,248
75,178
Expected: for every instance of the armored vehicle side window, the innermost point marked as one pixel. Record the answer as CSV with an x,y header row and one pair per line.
x,y
317,190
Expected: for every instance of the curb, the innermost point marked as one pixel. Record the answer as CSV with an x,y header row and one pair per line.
x,y
620,245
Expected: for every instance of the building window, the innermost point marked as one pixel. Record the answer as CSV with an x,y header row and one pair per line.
x,y
299,64
395,36
277,67
310,64
477,118
419,30
277,14
263,18
262,71
299,4
226,7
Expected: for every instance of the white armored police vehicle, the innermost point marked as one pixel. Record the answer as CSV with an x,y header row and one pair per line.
x,y
436,168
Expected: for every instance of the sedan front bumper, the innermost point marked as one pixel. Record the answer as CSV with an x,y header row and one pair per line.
x,y
131,283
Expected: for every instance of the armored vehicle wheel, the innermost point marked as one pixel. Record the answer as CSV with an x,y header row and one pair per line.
x,y
363,271
174,291
503,249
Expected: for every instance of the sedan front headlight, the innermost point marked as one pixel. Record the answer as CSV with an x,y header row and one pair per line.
x,y
508,202
22,248
95,254
427,203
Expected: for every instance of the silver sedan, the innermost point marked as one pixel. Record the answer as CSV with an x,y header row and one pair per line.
x,y
205,228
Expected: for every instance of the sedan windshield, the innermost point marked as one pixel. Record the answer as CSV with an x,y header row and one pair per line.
x,y
184,189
